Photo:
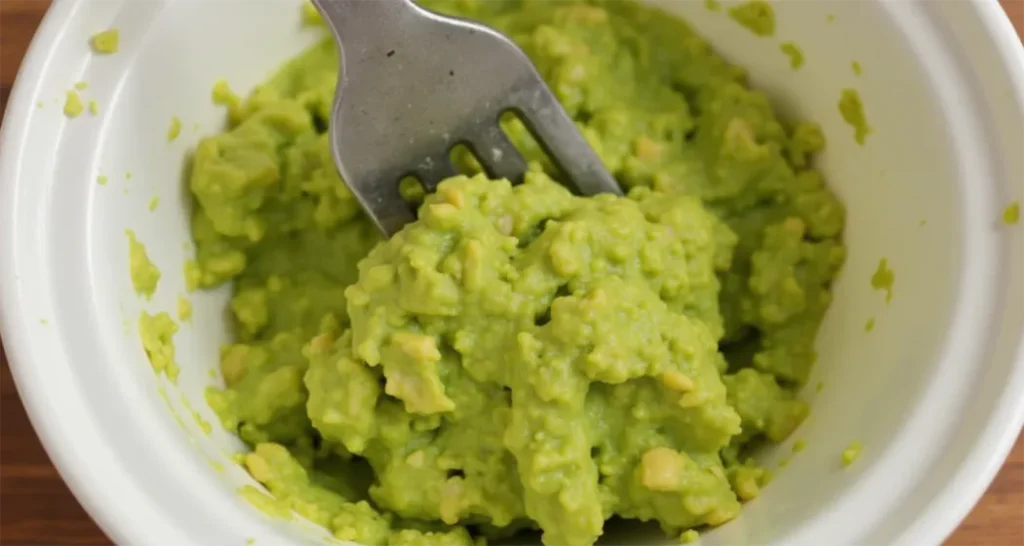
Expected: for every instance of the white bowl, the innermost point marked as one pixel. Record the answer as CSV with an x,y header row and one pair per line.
x,y
934,392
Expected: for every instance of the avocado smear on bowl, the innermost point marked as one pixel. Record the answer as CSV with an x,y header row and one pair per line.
x,y
520,358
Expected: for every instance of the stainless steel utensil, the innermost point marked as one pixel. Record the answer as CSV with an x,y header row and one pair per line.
x,y
413,84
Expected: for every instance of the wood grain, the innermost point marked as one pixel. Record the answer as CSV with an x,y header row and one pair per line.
x,y
37,508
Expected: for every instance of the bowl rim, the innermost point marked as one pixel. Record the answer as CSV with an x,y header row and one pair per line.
x,y
944,513
56,428
936,520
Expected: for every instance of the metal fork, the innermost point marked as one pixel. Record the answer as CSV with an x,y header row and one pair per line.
x,y
413,84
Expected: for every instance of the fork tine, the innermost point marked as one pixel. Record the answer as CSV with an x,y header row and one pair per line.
x,y
557,133
384,204
498,156
432,170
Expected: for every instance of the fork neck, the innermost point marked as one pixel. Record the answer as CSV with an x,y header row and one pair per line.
x,y
354,21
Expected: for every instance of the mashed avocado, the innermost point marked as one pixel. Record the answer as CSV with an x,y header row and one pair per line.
x,y
105,42
883,279
757,16
157,333
1011,214
174,130
144,274
519,357
795,54
852,109
73,106
851,454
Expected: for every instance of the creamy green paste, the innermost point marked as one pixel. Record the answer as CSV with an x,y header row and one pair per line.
x,y
519,357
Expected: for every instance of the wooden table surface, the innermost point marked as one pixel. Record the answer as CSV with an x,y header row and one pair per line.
x,y
37,508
